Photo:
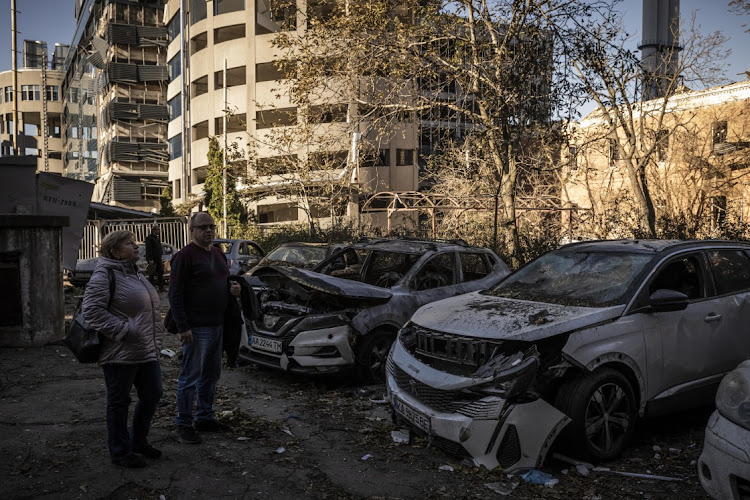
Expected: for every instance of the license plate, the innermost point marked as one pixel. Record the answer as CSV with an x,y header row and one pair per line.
x,y
264,344
414,416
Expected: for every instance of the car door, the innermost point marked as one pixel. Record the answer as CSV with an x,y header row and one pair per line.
x,y
682,345
730,269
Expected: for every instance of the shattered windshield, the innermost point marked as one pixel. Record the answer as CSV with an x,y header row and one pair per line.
x,y
293,256
586,279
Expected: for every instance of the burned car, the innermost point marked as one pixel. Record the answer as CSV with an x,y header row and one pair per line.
x,y
346,311
577,346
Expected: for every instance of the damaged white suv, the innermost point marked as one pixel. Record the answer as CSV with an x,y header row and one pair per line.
x,y
346,312
579,343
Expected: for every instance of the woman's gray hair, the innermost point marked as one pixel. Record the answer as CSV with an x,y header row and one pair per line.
x,y
113,241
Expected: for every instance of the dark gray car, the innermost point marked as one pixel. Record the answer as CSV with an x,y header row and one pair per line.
x,y
345,312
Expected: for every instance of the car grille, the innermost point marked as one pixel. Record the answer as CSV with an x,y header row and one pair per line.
x,y
469,405
509,451
465,354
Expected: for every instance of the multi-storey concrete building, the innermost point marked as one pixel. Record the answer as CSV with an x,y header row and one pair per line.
x,y
39,106
240,32
115,110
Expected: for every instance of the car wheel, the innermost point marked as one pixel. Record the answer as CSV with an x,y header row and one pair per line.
x,y
372,353
603,409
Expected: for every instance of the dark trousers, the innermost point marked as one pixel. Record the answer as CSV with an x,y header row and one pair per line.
x,y
119,379
158,272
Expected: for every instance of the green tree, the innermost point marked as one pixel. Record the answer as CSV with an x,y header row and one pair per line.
x,y
214,186
166,203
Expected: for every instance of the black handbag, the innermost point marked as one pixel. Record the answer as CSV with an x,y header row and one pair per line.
x,y
81,339
170,324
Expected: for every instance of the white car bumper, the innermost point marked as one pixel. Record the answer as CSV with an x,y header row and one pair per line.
x,y
724,464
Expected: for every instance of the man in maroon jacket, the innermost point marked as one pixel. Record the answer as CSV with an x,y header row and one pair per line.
x,y
198,295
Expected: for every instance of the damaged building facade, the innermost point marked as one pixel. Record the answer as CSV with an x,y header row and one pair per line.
x,y
696,159
38,103
115,110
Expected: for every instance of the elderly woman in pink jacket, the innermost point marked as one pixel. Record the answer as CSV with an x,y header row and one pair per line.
x,y
131,329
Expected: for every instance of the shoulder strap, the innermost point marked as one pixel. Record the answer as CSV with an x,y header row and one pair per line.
x,y
112,283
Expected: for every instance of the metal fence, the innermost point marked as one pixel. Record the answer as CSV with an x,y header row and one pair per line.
x,y
174,230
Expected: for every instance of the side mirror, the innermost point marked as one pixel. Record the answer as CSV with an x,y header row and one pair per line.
x,y
668,300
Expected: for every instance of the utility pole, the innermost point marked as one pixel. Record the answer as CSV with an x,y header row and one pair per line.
x,y
45,135
14,59
224,158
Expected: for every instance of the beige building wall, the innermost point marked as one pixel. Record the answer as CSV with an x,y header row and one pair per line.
x,y
249,96
33,125
699,166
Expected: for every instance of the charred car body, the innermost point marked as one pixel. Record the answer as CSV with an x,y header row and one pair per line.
x,y
578,344
347,310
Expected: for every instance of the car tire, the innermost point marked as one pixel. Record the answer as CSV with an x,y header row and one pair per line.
x,y
602,406
372,353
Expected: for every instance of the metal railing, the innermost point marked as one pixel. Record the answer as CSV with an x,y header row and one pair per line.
x,y
174,230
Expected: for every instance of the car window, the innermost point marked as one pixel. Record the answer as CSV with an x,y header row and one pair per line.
x,y
254,249
243,249
436,272
224,246
385,269
304,257
731,270
167,249
683,275
346,264
575,278
473,266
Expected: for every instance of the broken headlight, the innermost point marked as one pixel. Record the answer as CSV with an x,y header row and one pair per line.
x,y
512,375
733,396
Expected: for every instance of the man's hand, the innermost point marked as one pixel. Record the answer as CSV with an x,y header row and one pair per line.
x,y
234,288
186,337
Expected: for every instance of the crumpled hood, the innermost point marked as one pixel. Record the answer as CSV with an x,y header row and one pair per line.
x,y
484,316
274,276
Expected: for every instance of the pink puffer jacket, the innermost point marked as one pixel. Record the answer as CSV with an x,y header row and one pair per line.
x,y
131,328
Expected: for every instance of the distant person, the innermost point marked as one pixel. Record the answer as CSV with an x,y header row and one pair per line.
x,y
154,251
198,297
131,333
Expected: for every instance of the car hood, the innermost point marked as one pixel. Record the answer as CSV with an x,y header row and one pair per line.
x,y
484,316
275,276
86,264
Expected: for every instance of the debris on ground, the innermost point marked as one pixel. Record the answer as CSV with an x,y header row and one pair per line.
x,y
502,488
535,476
400,436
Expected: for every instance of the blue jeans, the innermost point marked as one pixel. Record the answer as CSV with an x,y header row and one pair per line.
x,y
119,379
201,368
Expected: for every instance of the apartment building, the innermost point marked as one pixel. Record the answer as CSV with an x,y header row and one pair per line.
x,y
207,35
697,164
115,109
39,106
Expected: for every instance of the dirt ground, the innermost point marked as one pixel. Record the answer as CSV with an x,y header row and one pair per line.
x,y
291,438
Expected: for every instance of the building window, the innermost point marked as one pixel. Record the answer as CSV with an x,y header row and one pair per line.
x,y
229,33
328,113
175,106
175,67
267,72
198,42
235,123
404,157
55,155
279,117
30,93
235,76
719,132
200,130
54,126
173,27
199,175
613,152
175,149
8,94
52,93
199,86
272,16
225,6
198,11
662,145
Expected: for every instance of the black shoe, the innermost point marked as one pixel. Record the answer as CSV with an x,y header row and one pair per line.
x,y
187,435
148,451
210,426
131,461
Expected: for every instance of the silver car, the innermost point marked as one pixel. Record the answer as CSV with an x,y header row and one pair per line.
x,y
346,311
578,344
